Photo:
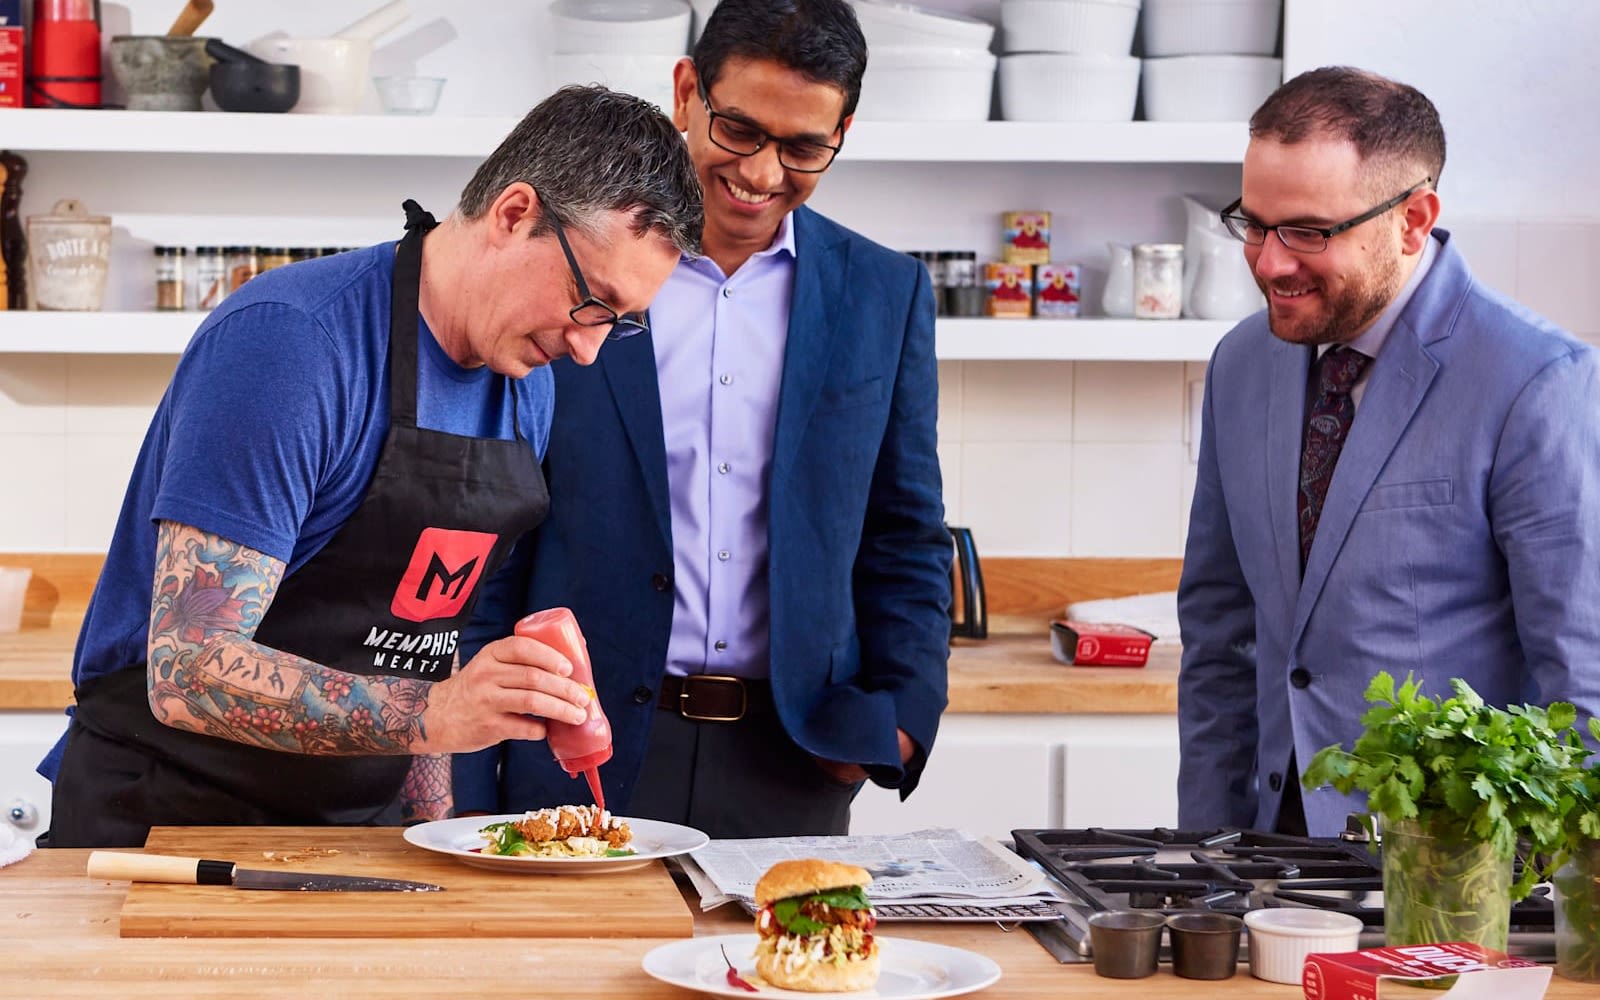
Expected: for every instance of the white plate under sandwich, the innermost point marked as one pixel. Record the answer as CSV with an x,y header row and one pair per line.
x,y
459,838
910,970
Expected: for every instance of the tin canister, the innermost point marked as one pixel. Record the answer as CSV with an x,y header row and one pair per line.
x,y
1056,288
1027,237
1010,289
69,252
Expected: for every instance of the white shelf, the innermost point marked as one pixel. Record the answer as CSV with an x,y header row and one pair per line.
x,y
1078,339
958,339
44,130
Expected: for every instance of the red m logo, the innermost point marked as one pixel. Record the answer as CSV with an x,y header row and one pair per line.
x,y
442,575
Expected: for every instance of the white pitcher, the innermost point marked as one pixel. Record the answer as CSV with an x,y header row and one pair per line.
x,y
1217,281
1117,300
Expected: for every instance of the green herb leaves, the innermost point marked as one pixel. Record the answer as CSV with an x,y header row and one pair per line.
x,y
787,911
1462,768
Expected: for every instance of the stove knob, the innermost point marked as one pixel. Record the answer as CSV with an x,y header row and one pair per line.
x,y
22,814
1356,828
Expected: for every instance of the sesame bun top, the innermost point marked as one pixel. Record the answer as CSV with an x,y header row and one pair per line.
x,y
806,876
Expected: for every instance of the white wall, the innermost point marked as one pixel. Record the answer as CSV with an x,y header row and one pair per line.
x,y
1050,459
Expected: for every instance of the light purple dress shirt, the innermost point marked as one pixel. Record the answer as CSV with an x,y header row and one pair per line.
x,y
719,344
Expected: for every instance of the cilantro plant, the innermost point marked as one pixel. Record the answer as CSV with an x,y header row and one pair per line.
x,y
1578,880
1463,770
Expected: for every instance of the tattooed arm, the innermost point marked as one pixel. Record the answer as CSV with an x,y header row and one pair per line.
x,y
208,675
426,794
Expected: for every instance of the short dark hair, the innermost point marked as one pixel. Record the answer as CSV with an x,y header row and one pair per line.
x,y
1391,124
820,39
588,150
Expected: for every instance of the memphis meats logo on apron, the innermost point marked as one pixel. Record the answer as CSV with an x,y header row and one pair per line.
x,y
441,577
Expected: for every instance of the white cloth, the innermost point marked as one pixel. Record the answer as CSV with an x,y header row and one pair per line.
x,y
1155,613
14,845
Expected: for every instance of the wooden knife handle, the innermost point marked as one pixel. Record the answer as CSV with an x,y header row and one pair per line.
x,y
118,867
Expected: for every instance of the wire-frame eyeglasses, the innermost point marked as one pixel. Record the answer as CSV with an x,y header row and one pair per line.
x,y
1306,239
743,138
591,311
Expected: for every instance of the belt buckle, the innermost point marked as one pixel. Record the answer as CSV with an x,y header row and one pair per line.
x,y
683,697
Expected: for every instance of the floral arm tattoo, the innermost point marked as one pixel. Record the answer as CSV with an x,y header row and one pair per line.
x,y
426,793
208,675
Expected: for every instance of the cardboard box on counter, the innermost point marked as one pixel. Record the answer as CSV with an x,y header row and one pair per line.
x,y
1480,973
1099,644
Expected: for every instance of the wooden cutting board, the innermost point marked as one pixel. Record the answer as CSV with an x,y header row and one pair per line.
x,y
476,903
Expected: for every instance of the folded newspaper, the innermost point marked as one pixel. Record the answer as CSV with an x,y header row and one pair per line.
x,y
926,875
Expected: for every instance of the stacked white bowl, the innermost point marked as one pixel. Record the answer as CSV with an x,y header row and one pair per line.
x,y
1068,61
924,65
1209,60
628,45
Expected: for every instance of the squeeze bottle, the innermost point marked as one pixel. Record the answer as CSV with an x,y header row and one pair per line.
x,y
579,748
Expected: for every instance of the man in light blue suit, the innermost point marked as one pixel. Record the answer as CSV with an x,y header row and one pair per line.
x,y
746,513
1399,468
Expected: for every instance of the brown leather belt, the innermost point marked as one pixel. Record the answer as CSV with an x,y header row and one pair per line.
x,y
709,697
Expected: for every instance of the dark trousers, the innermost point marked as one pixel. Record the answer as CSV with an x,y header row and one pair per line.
x,y
738,779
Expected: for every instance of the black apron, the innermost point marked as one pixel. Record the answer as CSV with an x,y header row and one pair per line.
x,y
387,596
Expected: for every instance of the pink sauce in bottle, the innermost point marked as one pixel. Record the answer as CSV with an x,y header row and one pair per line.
x,y
580,748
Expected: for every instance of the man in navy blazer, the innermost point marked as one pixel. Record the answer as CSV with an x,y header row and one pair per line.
x,y
1457,536
746,512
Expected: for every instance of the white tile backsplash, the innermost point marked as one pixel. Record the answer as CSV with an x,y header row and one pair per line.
x,y
1128,401
1126,499
1039,458
1008,401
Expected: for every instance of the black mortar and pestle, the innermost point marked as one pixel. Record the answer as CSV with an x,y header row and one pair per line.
x,y
242,82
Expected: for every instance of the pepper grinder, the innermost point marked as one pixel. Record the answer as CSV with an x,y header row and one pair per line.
x,y
13,243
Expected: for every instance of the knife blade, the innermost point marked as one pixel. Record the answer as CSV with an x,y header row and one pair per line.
x,y
116,866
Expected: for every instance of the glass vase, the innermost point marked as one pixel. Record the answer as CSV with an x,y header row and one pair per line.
x,y
1440,885
1577,904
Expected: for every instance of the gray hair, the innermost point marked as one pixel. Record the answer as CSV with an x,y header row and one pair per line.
x,y
589,150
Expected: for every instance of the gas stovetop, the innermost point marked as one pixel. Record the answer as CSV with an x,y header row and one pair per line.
x,y
1231,871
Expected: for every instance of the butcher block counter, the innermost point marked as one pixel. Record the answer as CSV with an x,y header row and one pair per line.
x,y
59,936
1011,671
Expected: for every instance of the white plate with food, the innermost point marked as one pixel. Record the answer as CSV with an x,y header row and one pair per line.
x,y
908,969
588,841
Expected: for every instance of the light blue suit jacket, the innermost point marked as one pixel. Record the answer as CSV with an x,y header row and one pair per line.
x,y
1460,538
859,556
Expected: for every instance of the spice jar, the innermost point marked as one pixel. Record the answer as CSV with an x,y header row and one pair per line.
x,y
169,278
210,270
272,257
1157,280
963,296
242,266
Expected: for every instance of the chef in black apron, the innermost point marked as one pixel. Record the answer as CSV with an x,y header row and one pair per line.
x,y
123,771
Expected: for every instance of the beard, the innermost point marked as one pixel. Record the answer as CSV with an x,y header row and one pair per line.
x,y
1343,315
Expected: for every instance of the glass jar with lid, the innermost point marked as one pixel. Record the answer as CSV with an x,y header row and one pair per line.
x,y
210,272
170,290
272,257
1157,280
242,266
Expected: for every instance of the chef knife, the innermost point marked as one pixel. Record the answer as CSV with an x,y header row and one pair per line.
x,y
198,871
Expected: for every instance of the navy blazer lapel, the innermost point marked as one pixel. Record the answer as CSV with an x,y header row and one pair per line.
x,y
630,371
819,280
1400,378
1286,416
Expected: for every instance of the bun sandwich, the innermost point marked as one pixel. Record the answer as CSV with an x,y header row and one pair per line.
x,y
815,925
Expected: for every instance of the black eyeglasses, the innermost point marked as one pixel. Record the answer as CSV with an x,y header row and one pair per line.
x,y
591,311
1306,239
743,138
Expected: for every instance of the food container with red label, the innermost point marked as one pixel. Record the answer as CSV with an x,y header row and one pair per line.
x,y
1009,289
1027,237
1099,644
1056,290
1473,971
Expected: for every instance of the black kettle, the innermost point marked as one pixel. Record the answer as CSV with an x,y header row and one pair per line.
x,y
969,612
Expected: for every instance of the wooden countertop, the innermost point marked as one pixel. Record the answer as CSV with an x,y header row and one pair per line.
x,y
60,928
1012,671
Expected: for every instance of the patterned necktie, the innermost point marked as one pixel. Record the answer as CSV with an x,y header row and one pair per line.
x,y
1327,425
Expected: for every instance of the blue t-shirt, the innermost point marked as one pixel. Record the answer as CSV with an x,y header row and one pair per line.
x,y
272,428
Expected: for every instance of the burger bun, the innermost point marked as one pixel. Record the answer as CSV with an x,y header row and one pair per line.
x,y
806,876
820,977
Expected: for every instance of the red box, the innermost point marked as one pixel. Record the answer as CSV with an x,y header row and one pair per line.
x,y
1365,974
11,64
1099,644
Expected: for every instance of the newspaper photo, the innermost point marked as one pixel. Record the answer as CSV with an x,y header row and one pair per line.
x,y
929,874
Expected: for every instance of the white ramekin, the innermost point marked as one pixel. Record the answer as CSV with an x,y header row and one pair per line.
x,y
1281,938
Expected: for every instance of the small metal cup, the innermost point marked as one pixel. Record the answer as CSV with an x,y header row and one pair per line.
x,y
1126,943
1204,945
